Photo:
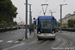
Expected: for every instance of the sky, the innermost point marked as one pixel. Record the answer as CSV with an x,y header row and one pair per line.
x,y
36,8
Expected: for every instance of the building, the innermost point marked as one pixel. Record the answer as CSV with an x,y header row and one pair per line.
x,y
67,17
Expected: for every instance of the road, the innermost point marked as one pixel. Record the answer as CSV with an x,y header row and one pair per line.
x,y
64,41
10,38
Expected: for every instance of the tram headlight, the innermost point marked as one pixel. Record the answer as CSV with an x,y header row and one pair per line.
x,y
39,32
52,32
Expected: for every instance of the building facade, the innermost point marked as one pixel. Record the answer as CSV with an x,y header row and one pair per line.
x,y
67,17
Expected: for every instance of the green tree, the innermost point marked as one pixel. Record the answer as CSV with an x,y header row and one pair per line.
x,y
58,24
64,24
15,23
74,22
70,22
10,23
3,22
7,10
0,22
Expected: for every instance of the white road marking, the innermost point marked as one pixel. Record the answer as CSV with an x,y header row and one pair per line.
x,y
1,41
10,41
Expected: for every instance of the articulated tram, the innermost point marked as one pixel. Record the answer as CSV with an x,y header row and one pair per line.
x,y
46,27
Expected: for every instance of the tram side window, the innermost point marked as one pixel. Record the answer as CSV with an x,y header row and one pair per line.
x,y
53,25
53,28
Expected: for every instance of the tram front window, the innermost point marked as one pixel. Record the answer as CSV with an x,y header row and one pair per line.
x,y
45,24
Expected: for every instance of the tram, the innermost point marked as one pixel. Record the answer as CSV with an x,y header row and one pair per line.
x,y
46,27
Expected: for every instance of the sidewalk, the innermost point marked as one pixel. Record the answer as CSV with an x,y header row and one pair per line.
x,y
30,37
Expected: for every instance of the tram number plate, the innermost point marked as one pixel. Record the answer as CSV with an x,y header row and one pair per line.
x,y
45,34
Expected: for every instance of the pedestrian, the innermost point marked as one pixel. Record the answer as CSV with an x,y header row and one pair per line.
x,y
30,30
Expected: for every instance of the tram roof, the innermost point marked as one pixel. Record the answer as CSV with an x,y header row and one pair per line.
x,y
46,17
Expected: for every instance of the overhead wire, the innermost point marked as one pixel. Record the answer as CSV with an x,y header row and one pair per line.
x,y
53,9
41,10
58,6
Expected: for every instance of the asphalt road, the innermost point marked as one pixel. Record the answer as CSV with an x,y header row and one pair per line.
x,y
64,41
10,38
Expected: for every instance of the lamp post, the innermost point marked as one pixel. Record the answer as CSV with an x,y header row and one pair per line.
x,y
61,16
34,26
43,8
30,17
26,18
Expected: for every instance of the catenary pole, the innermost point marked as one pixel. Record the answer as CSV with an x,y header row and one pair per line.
x,y
26,18
60,18
30,16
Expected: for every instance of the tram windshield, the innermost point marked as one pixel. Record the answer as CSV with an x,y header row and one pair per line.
x,y
45,24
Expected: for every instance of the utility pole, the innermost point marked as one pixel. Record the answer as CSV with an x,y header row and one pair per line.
x,y
61,16
26,18
30,17
44,12
34,25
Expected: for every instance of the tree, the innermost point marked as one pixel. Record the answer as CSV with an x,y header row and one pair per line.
x,y
15,23
10,23
70,22
3,22
74,23
0,22
64,24
58,24
7,10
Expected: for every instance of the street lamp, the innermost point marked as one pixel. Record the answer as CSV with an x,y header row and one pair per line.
x,y
61,16
26,18
43,8
30,17
34,26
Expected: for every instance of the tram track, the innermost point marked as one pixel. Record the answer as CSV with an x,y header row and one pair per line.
x,y
65,42
70,42
36,45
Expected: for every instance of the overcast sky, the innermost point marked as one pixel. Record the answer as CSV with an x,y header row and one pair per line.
x,y
53,5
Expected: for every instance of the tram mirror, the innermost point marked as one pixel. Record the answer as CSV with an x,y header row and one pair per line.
x,y
53,18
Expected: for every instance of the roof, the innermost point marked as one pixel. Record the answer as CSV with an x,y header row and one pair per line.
x,y
46,17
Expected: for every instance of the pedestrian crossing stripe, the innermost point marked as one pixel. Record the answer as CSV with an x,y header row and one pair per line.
x,y
10,41
1,41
